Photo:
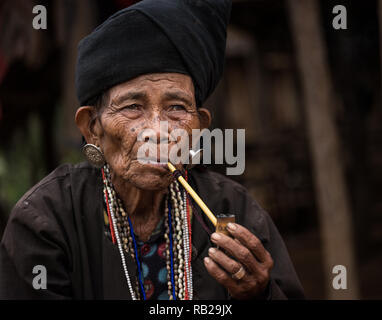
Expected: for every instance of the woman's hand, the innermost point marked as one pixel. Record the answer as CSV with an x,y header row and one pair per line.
x,y
248,275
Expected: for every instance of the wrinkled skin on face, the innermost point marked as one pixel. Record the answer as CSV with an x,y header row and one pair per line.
x,y
136,105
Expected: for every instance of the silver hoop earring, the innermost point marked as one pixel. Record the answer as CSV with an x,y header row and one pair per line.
x,y
94,155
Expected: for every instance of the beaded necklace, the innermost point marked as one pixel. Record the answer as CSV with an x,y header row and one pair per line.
x,y
177,236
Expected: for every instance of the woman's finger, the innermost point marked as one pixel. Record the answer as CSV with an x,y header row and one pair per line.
x,y
219,274
228,264
237,251
249,240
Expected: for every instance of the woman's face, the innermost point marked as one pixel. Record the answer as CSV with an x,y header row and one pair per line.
x,y
140,104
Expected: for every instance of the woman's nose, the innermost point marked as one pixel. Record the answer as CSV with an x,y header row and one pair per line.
x,y
158,130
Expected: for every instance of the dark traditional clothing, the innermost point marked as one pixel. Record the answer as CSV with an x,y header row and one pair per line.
x,y
59,224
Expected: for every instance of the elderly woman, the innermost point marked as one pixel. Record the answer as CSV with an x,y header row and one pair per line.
x,y
124,229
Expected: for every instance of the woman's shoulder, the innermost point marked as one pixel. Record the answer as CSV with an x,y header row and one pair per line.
x,y
57,193
57,184
54,205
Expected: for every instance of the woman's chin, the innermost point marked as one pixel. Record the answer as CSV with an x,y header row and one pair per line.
x,y
152,184
151,180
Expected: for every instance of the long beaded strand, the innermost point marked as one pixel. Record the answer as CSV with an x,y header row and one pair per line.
x,y
171,287
132,293
186,241
177,236
179,239
117,223
137,260
172,228
172,273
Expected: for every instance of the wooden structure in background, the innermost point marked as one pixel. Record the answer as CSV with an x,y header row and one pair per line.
x,y
334,211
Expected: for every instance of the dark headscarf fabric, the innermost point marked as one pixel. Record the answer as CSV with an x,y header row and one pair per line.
x,y
153,36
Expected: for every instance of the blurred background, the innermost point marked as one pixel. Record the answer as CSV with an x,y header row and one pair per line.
x,y
308,95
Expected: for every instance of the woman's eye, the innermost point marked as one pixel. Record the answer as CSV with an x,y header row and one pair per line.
x,y
177,107
132,107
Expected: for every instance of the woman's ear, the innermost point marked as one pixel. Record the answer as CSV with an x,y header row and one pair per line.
x,y
85,120
204,118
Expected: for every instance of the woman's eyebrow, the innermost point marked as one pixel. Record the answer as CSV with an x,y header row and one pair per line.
x,y
137,95
131,95
178,95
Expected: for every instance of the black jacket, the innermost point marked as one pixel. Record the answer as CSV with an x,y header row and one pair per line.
x,y
59,224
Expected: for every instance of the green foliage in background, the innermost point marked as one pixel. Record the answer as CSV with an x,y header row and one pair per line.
x,y
22,165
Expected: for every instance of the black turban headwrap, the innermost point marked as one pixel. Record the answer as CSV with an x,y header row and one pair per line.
x,y
154,36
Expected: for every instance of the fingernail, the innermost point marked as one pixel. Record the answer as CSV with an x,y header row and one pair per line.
x,y
207,260
215,237
212,251
231,226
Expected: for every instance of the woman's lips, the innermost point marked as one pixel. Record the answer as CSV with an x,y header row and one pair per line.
x,y
159,164
155,163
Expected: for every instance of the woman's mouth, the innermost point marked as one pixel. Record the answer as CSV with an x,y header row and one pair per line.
x,y
155,163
